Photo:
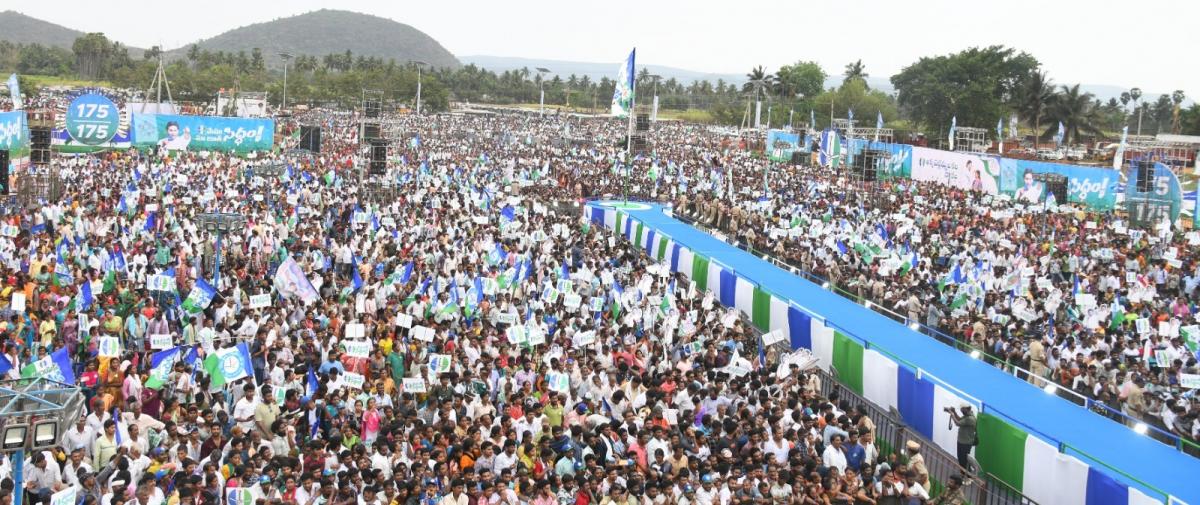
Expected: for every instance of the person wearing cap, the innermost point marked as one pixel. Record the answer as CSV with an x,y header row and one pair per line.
x,y
916,463
967,436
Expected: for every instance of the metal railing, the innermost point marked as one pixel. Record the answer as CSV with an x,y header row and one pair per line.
x,y
891,434
1181,444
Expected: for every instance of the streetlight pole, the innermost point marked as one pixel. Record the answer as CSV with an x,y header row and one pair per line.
x,y
286,57
542,89
220,223
420,64
654,111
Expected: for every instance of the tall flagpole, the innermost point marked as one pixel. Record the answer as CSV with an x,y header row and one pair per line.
x,y
629,129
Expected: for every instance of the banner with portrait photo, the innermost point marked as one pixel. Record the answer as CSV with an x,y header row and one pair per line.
x,y
781,144
968,171
1095,188
203,133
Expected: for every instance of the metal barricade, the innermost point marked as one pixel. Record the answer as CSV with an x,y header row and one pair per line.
x,y
891,434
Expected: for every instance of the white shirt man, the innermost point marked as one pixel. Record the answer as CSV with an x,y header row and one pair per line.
x,y
243,411
80,436
833,457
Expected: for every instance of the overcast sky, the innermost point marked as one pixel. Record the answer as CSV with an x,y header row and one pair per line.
x,y
1090,42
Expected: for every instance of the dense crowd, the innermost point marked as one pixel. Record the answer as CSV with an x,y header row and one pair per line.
x,y
461,336
1077,298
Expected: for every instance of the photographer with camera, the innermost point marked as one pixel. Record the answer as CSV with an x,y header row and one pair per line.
x,y
967,436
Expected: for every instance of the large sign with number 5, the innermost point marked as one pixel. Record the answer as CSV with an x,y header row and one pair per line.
x,y
92,119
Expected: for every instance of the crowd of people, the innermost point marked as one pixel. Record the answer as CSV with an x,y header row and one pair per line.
x,y
1063,296
456,335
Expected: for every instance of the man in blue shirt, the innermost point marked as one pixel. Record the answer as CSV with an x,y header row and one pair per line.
x,y
855,454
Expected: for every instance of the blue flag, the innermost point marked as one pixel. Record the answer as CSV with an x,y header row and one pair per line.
x,y
85,295
508,212
311,386
149,221
356,278
408,270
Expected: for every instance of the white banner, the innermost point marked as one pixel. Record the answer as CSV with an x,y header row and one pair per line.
x,y
357,349
960,170
161,342
260,301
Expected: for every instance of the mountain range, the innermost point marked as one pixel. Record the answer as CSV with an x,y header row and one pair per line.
x,y
328,31
314,33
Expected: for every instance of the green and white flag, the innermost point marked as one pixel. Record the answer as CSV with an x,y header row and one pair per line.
x,y
229,364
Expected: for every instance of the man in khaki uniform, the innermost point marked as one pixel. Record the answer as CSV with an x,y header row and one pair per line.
x,y
916,463
1037,359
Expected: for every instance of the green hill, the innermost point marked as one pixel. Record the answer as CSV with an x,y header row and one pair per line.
x,y
22,29
330,31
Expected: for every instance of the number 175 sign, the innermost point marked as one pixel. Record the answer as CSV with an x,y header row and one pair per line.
x,y
92,119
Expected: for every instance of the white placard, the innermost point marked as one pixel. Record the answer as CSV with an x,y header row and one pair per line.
x,y
109,347
18,301
1085,300
772,337
64,497
536,336
439,363
506,318
422,333
584,338
1189,380
355,380
357,349
161,342
356,331
597,304
260,301
572,301
413,385
559,382
1143,325
404,320
517,334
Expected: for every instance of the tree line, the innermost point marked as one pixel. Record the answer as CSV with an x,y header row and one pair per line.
x,y
977,86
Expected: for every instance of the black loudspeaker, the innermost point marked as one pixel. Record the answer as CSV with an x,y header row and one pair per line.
x,y
371,108
39,145
797,157
1145,176
4,172
871,158
378,158
643,122
1055,184
370,131
639,144
310,138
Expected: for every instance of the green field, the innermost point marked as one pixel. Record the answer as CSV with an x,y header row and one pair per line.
x,y
690,115
53,80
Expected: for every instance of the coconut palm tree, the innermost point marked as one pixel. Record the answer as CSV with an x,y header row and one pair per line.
x,y
1036,98
855,70
758,80
1076,110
